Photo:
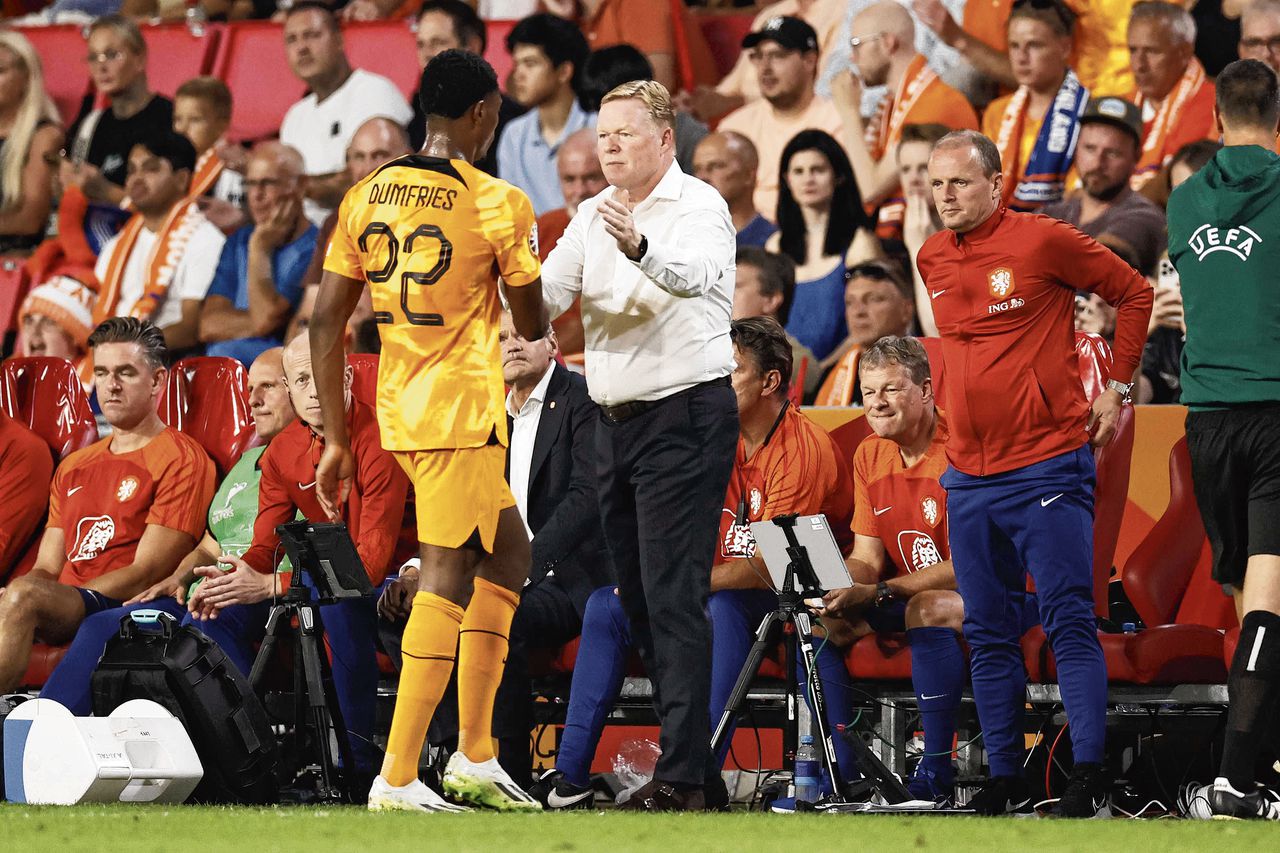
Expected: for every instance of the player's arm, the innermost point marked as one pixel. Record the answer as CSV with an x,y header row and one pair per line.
x,y
876,178
528,311
980,55
52,554
383,490
865,566
688,264
335,301
205,553
327,190
740,573
938,576
159,551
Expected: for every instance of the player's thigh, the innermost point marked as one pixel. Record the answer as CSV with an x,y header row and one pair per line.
x,y
55,608
935,608
1221,485
508,565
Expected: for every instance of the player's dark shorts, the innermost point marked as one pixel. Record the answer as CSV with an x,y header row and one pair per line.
x,y
96,602
1235,466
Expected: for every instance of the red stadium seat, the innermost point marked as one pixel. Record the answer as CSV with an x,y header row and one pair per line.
x,y
387,48
364,377
250,60
46,395
724,34
207,397
13,289
62,53
42,663
175,55
495,50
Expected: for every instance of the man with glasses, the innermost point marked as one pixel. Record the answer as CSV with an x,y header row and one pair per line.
x,y
877,302
785,55
100,140
1260,33
259,279
884,54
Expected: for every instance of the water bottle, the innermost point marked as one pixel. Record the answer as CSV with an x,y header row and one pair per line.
x,y
806,778
196,18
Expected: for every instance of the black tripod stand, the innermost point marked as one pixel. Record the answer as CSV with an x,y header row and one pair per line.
x,y
877,779
317,718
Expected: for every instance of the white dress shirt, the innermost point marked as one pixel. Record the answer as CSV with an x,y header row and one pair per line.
x,y
524,430
659,326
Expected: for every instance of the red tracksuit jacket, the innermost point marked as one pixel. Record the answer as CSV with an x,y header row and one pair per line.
x,y
1004,300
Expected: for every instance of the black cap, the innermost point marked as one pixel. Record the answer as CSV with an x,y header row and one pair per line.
x,y
788,32
1114,111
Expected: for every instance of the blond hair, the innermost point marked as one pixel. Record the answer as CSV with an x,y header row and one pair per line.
x,y
652,94
35,108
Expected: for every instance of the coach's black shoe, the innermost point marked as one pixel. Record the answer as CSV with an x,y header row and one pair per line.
x,y
715,795
1003,795
557,793
1088,793
1229,804
657,796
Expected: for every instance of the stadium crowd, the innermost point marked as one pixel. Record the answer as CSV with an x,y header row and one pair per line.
x,y
146,235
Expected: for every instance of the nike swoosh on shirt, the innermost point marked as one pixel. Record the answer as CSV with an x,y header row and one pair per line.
x,y
71,492
307,486
1047,501
881,511
936,293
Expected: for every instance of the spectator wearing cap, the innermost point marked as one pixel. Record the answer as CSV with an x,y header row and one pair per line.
x,y
339,100
548,54
160,265
1110,136
877,302
55,320
728,161
884,52
1035,126
1172,89
785,56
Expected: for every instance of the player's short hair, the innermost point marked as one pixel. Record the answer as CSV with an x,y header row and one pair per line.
x,y
131,330
930,133
1179,21
562,41
767,343
1055,14
884,269
777,276
212,91
988,153
651,93
318,5
606,69
453,82
467,25
125,27
172,147
907,352
1248,95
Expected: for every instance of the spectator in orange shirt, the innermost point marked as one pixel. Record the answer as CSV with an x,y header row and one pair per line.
x,y
578,165
122,512
1175,95
884,50
785,56
1036,126
26,466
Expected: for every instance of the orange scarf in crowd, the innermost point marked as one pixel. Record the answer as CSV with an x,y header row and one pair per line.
x,y
837,389
1167,117
208,169
171,242
885,128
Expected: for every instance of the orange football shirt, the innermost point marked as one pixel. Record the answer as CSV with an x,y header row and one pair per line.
x,y
431,237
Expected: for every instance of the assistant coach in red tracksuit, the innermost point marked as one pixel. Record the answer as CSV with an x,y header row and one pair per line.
x,y
1021,476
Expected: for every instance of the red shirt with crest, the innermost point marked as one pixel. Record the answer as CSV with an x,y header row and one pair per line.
x,y
904,507
103,501
798,469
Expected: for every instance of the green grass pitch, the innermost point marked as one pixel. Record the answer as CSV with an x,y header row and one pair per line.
x,y
209,829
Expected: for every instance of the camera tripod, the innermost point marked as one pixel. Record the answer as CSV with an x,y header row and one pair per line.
x,y
876,777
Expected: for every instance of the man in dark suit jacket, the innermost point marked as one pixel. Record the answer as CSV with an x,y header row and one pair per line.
x,y
550,466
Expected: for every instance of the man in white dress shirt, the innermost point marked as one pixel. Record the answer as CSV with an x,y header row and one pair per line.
x,y
653,259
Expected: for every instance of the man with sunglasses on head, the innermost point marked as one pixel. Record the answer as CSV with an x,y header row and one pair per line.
x,y
877,302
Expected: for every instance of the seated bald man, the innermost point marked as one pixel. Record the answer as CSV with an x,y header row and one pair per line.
x,y
230,530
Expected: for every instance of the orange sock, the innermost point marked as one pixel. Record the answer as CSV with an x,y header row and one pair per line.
x,y
427,651
482,654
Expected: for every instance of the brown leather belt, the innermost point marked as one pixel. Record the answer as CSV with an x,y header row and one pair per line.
x,y
626,411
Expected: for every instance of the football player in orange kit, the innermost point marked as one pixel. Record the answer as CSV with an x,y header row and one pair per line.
x,y
430,234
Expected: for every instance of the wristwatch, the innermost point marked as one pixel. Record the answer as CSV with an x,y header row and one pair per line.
x,y
884,595
1125,391
641,249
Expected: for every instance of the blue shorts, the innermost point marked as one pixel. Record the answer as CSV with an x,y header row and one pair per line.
x,y
96,602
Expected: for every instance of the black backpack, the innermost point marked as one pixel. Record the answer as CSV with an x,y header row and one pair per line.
x,y
183,670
